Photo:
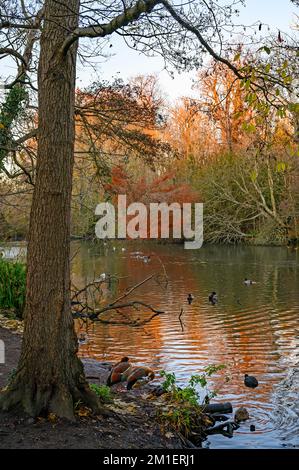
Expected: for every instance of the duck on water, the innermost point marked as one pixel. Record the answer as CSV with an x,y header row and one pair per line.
x,y
248,282
250,381
213,298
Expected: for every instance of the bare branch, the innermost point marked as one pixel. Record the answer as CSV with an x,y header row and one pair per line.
x,y
133,304
16,54
10,25
201,39
97,30
180,319
134,323
130,290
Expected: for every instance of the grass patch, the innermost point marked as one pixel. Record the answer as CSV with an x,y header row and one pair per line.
x,y
102,391
12,287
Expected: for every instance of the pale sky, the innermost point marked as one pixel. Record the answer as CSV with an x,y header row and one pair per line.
x,y
278,14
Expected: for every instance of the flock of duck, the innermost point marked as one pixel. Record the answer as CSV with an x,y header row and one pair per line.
x,y
135,254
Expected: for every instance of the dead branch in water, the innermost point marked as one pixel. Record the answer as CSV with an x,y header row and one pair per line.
x,y
114,306
129,290
162,277
180,319
86,312
133,323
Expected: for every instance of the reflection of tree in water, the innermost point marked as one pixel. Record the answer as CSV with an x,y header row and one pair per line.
x,y
250,330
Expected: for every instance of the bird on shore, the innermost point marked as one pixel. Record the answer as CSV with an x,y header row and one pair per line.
x,y
146,259
250,381
213,298
190,298
137,373
117,370
102,277
248,282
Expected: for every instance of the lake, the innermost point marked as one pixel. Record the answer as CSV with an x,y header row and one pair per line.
x,y
253,329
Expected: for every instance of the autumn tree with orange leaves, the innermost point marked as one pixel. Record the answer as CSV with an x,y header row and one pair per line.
x,y
149,189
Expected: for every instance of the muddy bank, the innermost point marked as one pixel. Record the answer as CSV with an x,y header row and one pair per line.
x,y
130,419
132,424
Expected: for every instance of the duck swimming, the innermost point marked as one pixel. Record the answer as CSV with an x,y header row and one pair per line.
x,y
249,282
250,381
190,298
213,298
136,254
82,338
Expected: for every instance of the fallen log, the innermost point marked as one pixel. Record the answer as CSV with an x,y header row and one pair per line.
x,y
225,407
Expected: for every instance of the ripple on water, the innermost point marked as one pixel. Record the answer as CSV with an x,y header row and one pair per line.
x,y
251,330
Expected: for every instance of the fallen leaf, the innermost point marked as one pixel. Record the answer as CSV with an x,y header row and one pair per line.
x,y
84,411
52,418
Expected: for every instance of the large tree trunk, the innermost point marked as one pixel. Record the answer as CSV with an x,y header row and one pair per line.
x,y
50,376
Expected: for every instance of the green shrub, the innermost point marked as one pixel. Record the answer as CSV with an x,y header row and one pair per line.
x,y
183,410
12,287
190,393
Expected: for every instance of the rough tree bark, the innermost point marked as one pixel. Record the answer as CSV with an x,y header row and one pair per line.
x,y
50,377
